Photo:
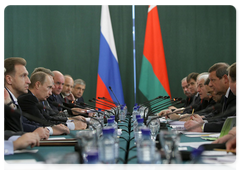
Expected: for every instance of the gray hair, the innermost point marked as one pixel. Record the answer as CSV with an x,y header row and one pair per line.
x,y
79,81
203,76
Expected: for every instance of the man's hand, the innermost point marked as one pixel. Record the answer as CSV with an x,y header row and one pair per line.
x,y
60,129
193,126
164,112
76,111
197,118
231,134
223,139
231,144
27,139
70,97
77,118
42,132
79,125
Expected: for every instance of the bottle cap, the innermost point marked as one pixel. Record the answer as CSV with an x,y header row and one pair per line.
x,y
140,120
138,116
110,120
146,131
92,157
112,116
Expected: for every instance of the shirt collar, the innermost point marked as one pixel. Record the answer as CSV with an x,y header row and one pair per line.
x,y
13,97
227,93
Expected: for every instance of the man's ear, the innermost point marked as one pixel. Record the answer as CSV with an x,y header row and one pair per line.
x,y
9,79
37,85
225,77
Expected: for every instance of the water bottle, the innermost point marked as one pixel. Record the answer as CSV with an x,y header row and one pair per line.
x,y
197,163
93,162
113,117
125,109
134,113
137,130
135,123
106,146
146,148
122,114
116,140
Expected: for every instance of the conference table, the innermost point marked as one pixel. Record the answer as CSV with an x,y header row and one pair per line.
x,y
67,154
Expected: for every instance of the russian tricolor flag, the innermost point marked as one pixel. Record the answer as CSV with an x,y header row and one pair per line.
x,y
108,69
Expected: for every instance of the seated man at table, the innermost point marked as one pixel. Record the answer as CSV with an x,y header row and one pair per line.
x,y
56,97
66,92
234,83
220,82
20,142
51,114
192,88
39,90
78,90
16,82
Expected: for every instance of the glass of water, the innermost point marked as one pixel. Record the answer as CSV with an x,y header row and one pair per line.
x,y
154,126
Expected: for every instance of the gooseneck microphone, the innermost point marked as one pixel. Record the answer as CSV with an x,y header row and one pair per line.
x,y
107,100
50,109
114,95
79,113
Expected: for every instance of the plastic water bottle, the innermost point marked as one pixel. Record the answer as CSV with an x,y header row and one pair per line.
x,y
116,140
93,162
135,123
125,109
146,148
134,113
122,114
137,130
106,146
113,117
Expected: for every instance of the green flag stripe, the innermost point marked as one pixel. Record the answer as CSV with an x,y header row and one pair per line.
x,y
149,85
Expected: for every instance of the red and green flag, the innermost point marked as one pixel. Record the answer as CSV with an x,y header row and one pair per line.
x,y
153,77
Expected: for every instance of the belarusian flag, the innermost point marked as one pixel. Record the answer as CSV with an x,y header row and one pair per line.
x,y
153,77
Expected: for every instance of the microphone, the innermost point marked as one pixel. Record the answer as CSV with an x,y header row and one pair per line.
x,y
215,107
104,102
101,103
39,106
94,107
182,101
114,95
79,113
107,100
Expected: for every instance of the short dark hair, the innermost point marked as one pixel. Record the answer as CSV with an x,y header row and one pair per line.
x,y
9,64
193,76
37,76
42,69
220,68
232,71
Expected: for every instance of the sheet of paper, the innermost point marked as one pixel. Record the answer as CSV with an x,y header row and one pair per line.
x,y
216,153
204,135
194,144
59,138
177,122
26,151
197,133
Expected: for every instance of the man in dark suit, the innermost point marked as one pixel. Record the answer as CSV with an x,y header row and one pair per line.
x,y
78,90
66,92
39,90
16,82
219,81
56,97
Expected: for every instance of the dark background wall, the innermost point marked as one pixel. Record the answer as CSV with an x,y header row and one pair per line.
x,y
66,38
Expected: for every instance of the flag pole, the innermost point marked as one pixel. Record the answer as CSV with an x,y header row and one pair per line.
x,y
134,51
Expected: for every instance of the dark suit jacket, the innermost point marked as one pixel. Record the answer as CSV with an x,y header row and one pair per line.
x,y
216,123
28,104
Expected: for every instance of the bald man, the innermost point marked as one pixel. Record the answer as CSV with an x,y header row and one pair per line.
x,y
67,89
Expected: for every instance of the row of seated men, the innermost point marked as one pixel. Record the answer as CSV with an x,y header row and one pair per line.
x,y
24,96
204,91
